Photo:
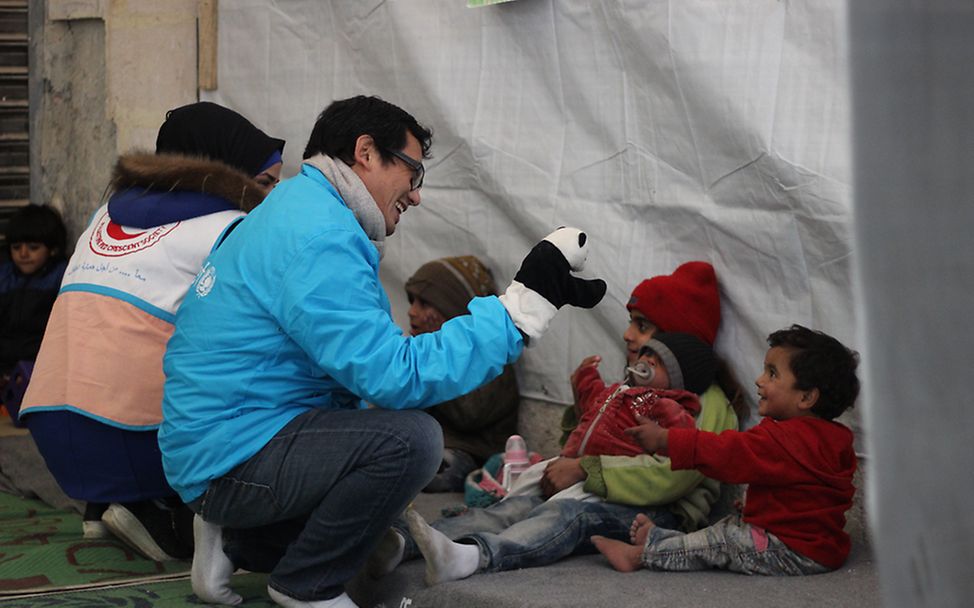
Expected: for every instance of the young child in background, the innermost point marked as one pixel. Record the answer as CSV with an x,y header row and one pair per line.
x,y
668,367
798,461
29,282
477,424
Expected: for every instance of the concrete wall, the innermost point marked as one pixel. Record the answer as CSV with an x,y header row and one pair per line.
x,y
103,75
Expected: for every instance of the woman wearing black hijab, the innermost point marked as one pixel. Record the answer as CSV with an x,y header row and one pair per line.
x,y
208,130
93,403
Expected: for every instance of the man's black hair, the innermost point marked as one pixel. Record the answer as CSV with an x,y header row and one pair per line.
x,y
819,361
341,124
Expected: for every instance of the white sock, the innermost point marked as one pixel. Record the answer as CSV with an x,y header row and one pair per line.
x,y
212,568
387,555
445,559
342,601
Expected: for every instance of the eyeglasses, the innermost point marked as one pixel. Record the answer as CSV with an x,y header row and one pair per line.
x,y
418,170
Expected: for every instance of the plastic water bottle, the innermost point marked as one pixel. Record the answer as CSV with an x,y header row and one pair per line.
x,y
515,460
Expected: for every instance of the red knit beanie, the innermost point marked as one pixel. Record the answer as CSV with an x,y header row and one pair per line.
x,y
686,301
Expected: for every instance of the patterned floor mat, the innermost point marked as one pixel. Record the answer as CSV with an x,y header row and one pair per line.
x,y
159,594
41,550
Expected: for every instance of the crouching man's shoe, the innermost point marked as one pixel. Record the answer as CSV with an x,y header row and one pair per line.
x,y
158,530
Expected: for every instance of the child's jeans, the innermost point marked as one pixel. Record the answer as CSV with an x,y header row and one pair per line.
x,y
729,544
529,531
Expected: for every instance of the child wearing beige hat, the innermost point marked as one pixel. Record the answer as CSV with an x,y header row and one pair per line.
x,y
476,425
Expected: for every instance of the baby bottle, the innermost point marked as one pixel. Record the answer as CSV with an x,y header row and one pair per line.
x,y
515,459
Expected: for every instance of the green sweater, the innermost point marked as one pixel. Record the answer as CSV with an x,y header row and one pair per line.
x,y
647,480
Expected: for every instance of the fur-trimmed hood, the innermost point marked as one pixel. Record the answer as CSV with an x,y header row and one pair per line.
x,y
154,189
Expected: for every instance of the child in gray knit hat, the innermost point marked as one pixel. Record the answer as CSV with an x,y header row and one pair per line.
x,y
664,383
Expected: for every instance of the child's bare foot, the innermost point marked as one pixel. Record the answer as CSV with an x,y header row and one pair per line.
x,y
622,556
639,529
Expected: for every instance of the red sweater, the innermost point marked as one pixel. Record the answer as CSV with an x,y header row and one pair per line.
x,y
800,475
606,412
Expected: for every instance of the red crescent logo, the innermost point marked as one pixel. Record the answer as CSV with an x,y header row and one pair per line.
x,y
115,231
109,240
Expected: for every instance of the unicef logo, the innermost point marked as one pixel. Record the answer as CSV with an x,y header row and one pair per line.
x,y
205,281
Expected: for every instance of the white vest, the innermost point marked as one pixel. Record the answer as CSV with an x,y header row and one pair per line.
x,y
149,268
103,347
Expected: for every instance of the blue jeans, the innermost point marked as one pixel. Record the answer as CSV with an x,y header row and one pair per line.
x,y
528,531
313,503
729,544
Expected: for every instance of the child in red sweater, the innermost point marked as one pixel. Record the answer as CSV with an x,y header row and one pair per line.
x,y
798,463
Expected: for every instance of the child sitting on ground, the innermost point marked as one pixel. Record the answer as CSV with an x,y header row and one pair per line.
x,y
477,424
29,282
798,461
671,367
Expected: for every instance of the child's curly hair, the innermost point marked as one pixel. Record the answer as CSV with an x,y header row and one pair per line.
x,y
821,362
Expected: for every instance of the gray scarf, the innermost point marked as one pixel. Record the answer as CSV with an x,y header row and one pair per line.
x,y
356,197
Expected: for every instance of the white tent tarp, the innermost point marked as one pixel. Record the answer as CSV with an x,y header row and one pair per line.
x,y
668,130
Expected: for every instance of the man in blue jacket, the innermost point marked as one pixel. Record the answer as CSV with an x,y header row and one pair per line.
x,y
287,330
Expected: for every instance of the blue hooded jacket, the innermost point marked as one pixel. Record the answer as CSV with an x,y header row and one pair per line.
x,y
288,315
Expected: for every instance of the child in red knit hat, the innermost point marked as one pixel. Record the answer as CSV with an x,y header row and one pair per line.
x,y
798,461
686,301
